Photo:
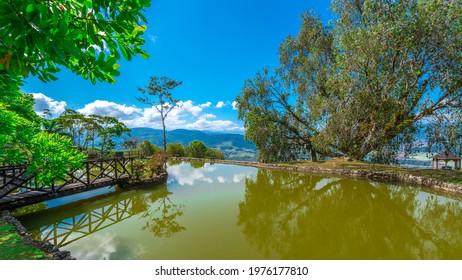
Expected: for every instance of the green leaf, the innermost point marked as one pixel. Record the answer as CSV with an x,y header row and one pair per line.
x,y
30,8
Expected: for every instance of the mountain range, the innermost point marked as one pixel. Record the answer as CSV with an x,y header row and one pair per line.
x,y
234,146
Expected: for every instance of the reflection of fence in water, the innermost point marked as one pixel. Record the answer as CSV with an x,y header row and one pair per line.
x,y
68,230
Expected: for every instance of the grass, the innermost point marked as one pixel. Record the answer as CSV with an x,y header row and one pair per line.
x,y
13,248
449,176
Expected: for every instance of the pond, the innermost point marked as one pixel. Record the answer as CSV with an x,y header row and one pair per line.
x,y
214,211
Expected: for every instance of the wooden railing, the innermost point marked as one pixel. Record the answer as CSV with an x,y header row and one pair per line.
x,y
16,179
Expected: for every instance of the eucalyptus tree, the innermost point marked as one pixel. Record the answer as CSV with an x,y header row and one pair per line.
x,y
363,83
280,111
157,94
398,62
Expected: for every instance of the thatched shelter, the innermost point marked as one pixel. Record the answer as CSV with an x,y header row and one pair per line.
x,y
446,156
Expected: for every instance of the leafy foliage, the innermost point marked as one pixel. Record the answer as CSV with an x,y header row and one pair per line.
x,y
91,131
51,156
36,38
148,149
87,37
196,149
360,85
214,154
176,150
445,131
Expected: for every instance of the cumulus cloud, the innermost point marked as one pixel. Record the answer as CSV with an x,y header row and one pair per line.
x,y
107,108
220,104
187,116
206,105
43,102
234,104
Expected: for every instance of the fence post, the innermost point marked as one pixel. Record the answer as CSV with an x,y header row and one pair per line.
x,y
87,169
115,167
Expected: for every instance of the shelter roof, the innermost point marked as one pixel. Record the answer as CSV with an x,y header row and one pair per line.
x,y
446,155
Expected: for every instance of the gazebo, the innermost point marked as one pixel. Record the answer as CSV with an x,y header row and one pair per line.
x,y
446,156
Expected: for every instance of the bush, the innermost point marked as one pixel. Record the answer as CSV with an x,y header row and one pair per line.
x,y
176,150
156,164
196,149
214,154
138,168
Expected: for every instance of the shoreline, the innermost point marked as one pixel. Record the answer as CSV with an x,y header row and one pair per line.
x,y
51,251
370,175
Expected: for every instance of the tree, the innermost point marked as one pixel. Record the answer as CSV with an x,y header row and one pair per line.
x,y
197,149
362,84
148,149
108,127
279,111
159,89
176,149
398,63
131,143
38,36
444,131
86,37
214,154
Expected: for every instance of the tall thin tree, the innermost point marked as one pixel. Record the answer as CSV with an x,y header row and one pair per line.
x,y
159,90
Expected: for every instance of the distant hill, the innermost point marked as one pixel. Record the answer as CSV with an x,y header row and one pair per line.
x,y
234,146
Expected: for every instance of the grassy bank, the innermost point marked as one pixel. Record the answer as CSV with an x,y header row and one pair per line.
x,y
12,246
448,176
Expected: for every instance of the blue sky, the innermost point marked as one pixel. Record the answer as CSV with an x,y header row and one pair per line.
x,y
213,46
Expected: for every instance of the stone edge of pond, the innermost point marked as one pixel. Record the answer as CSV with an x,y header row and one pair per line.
x,y
51,251
377,176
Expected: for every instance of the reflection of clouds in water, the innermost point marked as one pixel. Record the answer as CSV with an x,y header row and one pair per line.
x,y
185,175
96,247
104,247
240,176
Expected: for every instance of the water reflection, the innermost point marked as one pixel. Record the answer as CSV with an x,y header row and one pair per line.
x,y
204,172
162,215
65,225
298,216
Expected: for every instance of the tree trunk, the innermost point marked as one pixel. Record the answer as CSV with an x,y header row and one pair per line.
x,y
314,157
165,136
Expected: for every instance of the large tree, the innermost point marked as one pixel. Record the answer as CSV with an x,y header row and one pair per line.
x,y
157,94
363,83
398,62
277,109
36,38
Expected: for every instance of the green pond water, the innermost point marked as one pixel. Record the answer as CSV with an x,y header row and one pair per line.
x,y
214,211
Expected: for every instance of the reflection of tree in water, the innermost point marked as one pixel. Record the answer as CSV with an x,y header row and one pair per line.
x,y
161,213
301,216
174,162
196,164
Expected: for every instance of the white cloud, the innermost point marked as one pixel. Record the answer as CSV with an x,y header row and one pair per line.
x,y
220,104
206,105
107,108
188,116
234,104
43,102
